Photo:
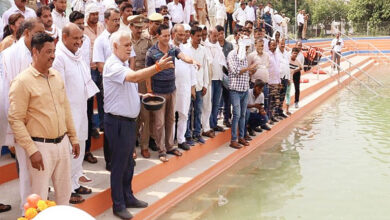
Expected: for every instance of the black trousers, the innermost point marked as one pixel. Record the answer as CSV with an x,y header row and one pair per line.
x,y
300,29
297,83
283,90
229,24
122,136
90,126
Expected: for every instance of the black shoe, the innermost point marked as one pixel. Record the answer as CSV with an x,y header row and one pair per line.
x,y
266,127
251,132
274,119
108,166
137,204
153,145
184,146
123,214
257,129
101,129
95,133
283,115
218,128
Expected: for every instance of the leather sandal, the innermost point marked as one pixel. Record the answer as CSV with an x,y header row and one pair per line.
x,y
90,158
145,153
175,152
163,157
76,199
83,190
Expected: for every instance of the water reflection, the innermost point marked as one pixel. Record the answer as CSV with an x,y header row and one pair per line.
x,y
332,164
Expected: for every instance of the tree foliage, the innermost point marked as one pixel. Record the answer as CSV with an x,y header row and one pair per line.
x,y
326,11
375,12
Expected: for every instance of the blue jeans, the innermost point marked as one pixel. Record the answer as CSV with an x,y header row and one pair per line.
x,y
240,102
266,97
216,93
255,119
196,105
98,79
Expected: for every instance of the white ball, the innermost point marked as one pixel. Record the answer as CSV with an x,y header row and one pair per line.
x,y
63,212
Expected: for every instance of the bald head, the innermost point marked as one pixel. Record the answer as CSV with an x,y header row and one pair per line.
x,y
213,35
72,37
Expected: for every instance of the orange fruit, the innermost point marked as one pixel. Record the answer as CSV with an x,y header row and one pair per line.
x,y
33,200
31,213
26,206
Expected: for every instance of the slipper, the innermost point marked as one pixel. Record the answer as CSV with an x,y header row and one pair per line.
x,y
175,152
76,199
83,190
4,208
85,179
163,158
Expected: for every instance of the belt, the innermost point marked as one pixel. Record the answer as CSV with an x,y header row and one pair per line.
x,y
121,117
48,140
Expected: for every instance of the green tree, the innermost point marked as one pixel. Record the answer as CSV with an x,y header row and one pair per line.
x,y
373,12
326,11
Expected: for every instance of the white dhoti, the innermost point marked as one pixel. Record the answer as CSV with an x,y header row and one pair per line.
x,y
206,110
24,175
77,167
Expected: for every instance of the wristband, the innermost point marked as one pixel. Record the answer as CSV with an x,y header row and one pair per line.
x,y
157,67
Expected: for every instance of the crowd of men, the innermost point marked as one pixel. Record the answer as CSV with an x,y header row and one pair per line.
x,y
54,65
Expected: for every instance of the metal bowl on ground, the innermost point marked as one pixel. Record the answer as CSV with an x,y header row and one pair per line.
x,y
153,103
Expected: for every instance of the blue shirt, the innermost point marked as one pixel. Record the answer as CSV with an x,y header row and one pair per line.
x,y
120,97
164,81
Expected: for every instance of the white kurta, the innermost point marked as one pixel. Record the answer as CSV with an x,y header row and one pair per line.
x,y
185,79
14,60
79,87
189,9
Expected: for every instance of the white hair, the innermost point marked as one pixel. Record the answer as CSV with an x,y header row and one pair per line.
x,y
116,36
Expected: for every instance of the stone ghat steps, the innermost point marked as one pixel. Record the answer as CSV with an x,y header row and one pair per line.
x,y
177,185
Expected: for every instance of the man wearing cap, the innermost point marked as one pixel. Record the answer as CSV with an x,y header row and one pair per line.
x,y
154,22
141,46
93,28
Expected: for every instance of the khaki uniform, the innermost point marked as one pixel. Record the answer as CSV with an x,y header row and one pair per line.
x,y
201,11
146,34
141,47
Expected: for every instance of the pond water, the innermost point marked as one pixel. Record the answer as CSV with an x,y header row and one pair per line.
x,y
334,163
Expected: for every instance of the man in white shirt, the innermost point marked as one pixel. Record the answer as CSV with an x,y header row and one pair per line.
x,y
269,8
101,52
284,60
44,15
277,22
218,61
212,9
126,10
122,106
58,13
285,22
256,115
221,15
337,45
185,85
176,11
198,53
79,87
189,11
239,16
250,12
15,59
18,7
301,22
